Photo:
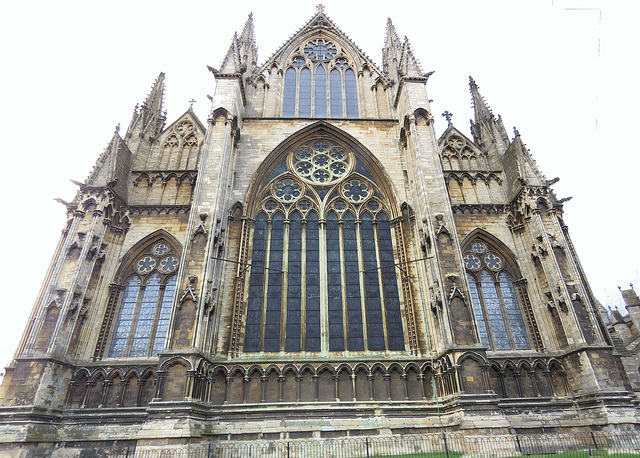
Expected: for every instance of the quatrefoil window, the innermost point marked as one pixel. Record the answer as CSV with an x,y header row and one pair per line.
x,y
356,191
287,190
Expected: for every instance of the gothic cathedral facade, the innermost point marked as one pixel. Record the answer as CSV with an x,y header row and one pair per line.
x,y
313,259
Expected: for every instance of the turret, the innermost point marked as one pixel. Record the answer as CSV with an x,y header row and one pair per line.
x,y
487,130
148,119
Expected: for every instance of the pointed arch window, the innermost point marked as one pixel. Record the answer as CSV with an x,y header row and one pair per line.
x,y
322,274
498,314
142,320
319,84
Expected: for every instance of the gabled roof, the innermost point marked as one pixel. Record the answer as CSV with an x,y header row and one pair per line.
x,y
319,23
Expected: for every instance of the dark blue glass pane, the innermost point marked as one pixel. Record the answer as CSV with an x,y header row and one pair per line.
x,y
335,79
294,286
351,93
514,315
289,97
477,311
256,286
321,92
336,332
494,312
312,293
390,287
304,103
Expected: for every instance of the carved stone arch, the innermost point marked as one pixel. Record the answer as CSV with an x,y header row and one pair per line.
x,y
319,130
173,386
543,204
497,245
423,117
344,367
407,125
143,244
219,116
89,205
496,178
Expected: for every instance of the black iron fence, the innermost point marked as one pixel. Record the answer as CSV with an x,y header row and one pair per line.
x,y
445,445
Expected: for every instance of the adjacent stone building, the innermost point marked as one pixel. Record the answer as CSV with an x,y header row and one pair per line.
x,y
312,261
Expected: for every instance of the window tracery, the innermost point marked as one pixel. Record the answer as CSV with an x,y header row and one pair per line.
x,y
145,306
322,271
499,318
320,82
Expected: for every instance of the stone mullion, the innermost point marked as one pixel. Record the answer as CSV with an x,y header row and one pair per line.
x,y
134,319
353,377
89,384
324,310
485,314
420,377
303,287
156,317
405,385
106,386
265,284
240,284
383,305
503,309
336,393
387,383
123,388
141,384
363,294
343,280
285,286
532,377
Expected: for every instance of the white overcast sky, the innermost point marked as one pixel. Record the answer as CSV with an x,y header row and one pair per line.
x,y
563,71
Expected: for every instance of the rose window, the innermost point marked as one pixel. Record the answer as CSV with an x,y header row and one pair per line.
x,y
321,161
356,191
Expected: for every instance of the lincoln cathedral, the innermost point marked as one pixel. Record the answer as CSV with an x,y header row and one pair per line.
x,y
313,261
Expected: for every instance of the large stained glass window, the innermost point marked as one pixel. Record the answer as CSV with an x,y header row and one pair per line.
x,y
322,274
320,82
142,322
495,305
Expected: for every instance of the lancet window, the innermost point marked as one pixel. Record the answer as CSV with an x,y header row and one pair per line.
x,y
322,276
498,313
145,303
320,82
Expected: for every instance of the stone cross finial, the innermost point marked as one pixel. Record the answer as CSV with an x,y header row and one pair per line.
x,y
447,115
320,7
191,102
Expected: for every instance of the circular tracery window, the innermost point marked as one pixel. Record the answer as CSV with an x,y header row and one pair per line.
x,y
321,50
321,162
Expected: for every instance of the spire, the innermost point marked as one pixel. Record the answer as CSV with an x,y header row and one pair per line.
x,y
112,167
149,118
392,51
242,55
487,130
